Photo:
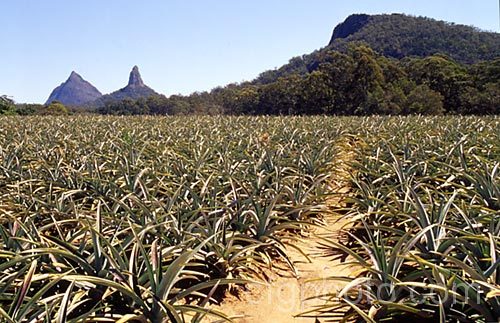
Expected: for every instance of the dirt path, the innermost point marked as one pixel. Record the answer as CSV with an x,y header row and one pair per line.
x,y
286,295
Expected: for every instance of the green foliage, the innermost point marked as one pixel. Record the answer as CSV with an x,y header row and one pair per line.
x,y
400,36
422,228
126,107
197,103
26,109
150,218
147,218
7,106
423,100
441,74
55,108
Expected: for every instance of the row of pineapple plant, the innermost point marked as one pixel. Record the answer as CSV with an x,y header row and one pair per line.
x,y
149,219
423,230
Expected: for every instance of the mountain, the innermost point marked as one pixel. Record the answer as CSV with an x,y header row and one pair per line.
x,y
74,92
77,92
399,36
135,89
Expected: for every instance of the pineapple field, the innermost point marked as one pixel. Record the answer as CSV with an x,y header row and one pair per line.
x,y
155,219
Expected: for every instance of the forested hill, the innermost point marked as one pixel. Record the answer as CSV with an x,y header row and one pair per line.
x,y
399,36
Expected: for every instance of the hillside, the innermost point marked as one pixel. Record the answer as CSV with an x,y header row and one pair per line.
x,y
399,36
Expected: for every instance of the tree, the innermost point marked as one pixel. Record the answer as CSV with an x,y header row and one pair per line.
x,y
337,76
317,97
442,75
281,97
486,72
366,92
27,109
7,106
423,100
480,102
56,108
244,100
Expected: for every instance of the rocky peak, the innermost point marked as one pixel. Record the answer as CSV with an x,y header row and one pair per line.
x,y
134,90
75,77
351,25
74,92
135,79
78,92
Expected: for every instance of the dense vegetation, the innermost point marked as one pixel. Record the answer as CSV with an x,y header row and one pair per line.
x,y
106,218
149,217
360,82
7,105
26,109
399,36
402,36
424,230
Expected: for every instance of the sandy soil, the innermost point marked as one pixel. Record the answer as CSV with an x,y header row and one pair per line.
x,y
287,295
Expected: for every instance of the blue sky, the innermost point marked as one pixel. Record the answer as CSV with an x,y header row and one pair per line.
x,y
181,46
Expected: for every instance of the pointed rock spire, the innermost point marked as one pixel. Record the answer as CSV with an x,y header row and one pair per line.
x,y
135,78
135,89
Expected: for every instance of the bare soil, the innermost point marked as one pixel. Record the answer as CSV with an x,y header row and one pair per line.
x,y
288,295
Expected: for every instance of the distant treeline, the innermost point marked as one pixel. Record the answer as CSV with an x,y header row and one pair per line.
x,y
359,82
9,107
